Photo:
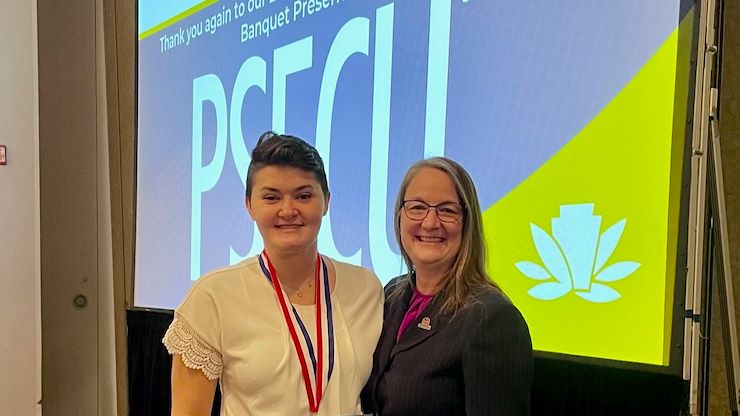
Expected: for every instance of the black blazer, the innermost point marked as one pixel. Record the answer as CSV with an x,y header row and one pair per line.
x,y
478,362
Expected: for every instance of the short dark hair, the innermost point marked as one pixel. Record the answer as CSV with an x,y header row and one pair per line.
x,y
274,149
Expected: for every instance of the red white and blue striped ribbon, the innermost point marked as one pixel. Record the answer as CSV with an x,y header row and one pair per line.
x,y
317,353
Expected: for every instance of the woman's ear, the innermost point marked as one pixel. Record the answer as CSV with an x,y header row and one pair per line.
x,y
326,202
248,204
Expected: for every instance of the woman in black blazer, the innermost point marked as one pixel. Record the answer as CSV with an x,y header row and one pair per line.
x,y
452,342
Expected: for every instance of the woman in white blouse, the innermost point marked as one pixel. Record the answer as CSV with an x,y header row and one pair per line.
x,y
289,332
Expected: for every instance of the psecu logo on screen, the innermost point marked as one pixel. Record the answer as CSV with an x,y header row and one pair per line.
x,y
574,257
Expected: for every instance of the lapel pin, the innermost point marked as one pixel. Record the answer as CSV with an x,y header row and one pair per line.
x,y
425,324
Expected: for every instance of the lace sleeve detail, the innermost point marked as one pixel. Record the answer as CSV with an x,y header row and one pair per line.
x,y
196,353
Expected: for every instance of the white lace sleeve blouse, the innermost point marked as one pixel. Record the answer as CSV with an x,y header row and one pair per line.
x,y
230,327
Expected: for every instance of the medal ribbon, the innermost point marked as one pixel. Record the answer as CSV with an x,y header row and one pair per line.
x,y
313,382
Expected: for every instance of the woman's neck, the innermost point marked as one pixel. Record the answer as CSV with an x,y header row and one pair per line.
x,y
295,267
428,282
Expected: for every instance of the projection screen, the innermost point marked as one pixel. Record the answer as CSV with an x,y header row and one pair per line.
x,y
569,116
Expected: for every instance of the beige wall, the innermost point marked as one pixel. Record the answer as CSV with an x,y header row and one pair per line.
x,y
78,376
20,347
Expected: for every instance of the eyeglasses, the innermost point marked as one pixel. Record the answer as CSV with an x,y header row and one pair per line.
x,y
446,211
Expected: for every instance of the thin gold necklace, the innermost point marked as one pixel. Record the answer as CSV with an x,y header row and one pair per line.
x,y
297,289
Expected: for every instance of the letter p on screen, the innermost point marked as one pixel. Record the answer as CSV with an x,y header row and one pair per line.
x,y
207,88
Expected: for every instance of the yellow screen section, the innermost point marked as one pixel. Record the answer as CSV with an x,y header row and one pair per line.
x,y
585,247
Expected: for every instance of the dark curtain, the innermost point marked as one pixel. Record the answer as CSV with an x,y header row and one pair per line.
x,y
560,387
568,388
149,364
